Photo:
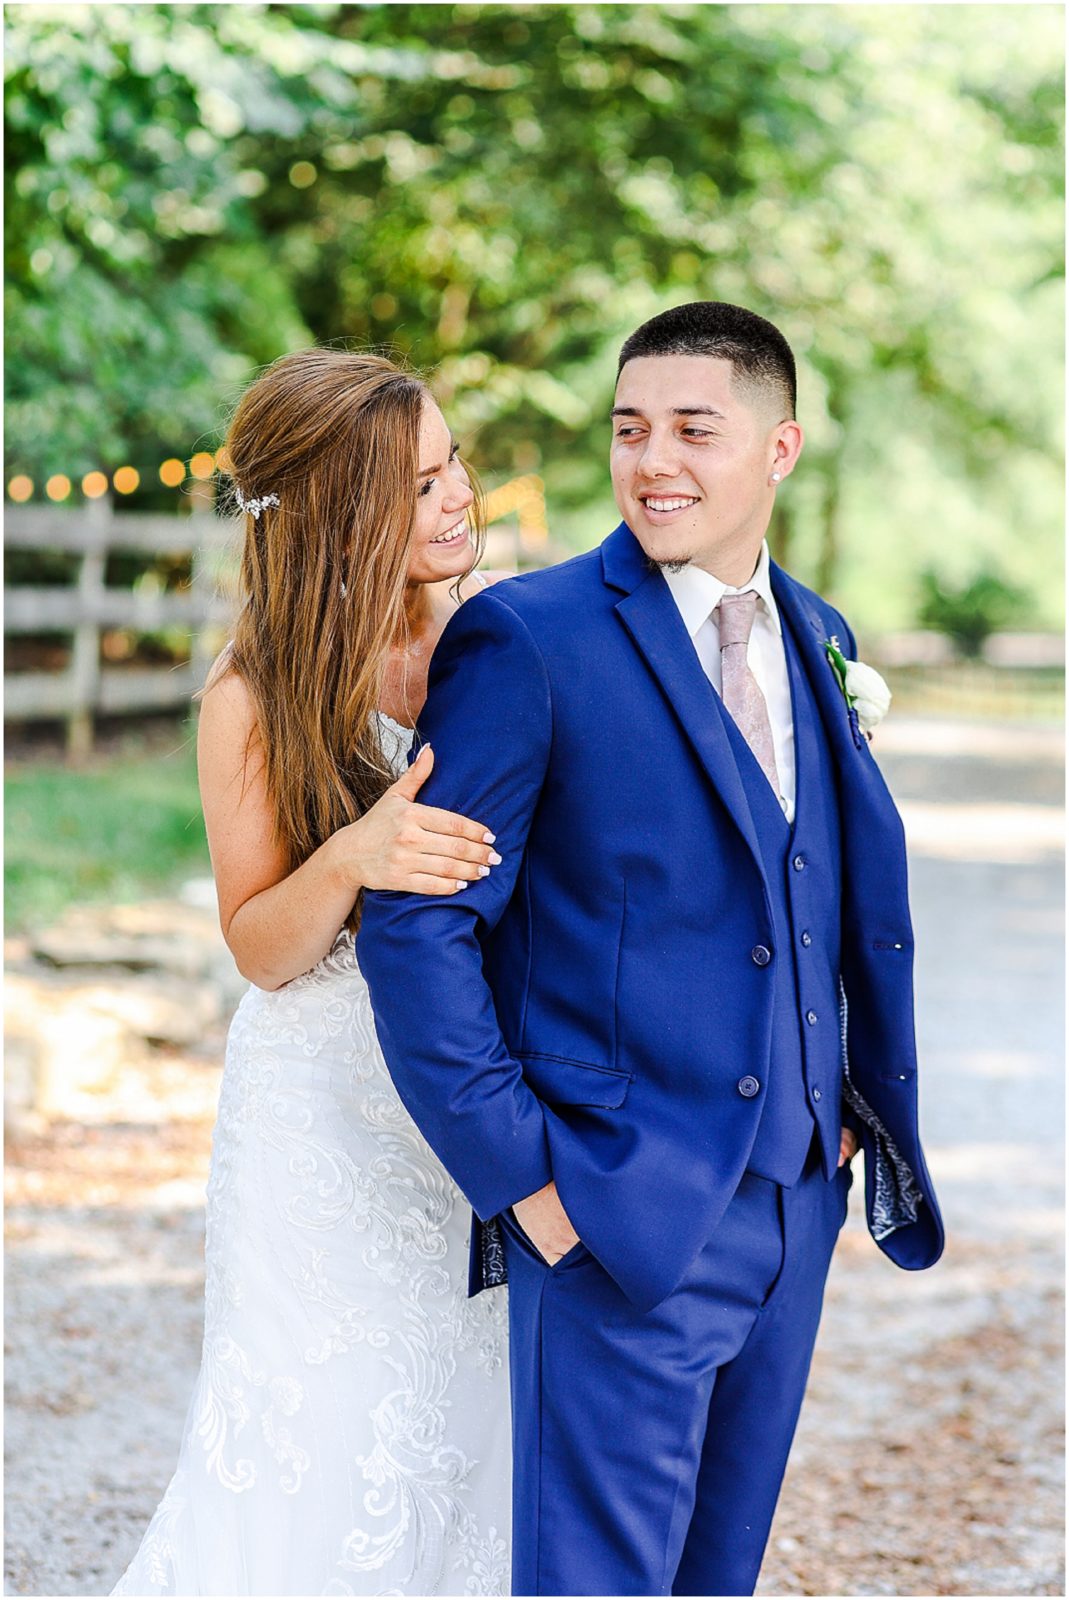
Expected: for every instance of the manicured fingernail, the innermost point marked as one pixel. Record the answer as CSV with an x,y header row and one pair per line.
x,y
484,872
489,838
495,859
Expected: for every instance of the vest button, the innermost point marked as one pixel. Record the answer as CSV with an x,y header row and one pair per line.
x,y
761,955
811,1016
816,1094
748,1087
807,938
798,863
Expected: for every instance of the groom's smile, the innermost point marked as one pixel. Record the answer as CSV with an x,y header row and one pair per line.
x,y
665,507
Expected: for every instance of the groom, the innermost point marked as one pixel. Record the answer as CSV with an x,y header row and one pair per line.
x,y
642,1044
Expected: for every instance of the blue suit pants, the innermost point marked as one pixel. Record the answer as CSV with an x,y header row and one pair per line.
x,y
649,1447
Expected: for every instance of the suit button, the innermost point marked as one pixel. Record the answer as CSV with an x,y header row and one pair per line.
x,y
748,1087
798,863
816,1094
807,938
811,1016
761,955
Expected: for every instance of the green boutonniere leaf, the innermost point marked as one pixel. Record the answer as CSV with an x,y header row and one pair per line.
x,y
838,661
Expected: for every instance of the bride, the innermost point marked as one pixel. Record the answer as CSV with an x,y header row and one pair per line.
x,y
349,1430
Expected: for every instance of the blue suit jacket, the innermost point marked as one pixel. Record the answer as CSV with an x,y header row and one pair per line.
x,y
583,1013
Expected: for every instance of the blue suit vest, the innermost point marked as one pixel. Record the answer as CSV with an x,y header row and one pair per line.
x,y
800,1081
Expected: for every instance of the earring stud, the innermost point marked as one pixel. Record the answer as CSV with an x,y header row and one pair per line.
x,y
775,477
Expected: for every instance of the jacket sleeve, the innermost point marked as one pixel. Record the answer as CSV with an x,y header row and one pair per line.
x,y
488,717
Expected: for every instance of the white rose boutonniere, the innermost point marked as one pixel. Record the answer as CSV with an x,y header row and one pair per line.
x,y
868,699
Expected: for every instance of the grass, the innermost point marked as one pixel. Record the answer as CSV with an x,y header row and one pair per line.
x,y
123,826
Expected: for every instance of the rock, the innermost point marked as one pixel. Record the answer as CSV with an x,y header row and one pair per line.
x,y
68,1035
90,996
169,936
67,1047
23,1068
157,1007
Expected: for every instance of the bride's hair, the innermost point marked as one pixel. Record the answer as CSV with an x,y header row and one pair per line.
x,y
325,447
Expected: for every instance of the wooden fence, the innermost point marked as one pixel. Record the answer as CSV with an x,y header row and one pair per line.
x,y
1022,675
88,608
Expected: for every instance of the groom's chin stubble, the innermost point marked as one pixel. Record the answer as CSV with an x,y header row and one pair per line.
x,y
673,564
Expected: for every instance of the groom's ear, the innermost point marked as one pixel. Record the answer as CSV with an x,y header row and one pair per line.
x,y
785,442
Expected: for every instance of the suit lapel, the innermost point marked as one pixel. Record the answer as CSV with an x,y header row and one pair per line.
x,y
652,618
809,633
856,766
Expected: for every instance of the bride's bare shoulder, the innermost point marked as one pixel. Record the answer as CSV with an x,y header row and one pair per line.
x,y
228,718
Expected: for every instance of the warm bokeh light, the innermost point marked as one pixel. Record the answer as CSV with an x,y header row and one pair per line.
x,y
58,487
303,174
222,459
94,484
117,644
172,473
526,497
20,488
126,479
202,464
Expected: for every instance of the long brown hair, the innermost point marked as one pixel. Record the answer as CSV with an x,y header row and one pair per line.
x,y
333,434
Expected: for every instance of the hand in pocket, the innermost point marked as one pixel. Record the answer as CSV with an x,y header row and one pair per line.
x,y
545,1222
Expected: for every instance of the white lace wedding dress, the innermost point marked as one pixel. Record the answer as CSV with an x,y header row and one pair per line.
x,y
349,1432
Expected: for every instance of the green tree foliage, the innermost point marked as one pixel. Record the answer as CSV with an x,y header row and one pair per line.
x,y
968,613
502,191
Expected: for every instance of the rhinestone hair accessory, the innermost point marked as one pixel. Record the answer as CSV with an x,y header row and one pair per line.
x,y
254,507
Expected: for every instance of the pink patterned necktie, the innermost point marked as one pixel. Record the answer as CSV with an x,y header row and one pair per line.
x,y
741,692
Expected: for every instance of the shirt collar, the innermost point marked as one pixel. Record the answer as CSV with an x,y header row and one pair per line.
x,y
697,593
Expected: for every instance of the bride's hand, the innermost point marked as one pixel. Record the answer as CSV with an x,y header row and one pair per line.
x,y
400,844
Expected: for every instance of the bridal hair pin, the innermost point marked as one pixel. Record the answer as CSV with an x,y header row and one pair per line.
x,y
254,507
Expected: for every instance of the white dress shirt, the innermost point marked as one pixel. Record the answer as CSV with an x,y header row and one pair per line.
x,y
697,594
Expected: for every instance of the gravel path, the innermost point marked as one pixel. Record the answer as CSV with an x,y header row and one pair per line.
x,y
928,1458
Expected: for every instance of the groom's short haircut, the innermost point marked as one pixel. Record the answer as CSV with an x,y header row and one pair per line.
x,y
760,356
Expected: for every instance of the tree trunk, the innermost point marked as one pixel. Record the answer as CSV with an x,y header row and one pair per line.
x,y
828,561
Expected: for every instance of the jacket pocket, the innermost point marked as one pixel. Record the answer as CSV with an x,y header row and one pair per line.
x,y
560,1081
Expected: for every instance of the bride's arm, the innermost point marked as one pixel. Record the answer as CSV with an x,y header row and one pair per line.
x,y
278,924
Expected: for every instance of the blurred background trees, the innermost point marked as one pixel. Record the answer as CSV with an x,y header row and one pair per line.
x,y
501,192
